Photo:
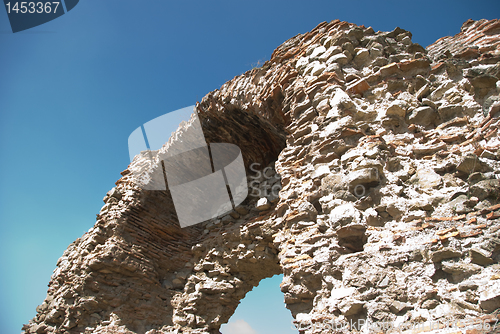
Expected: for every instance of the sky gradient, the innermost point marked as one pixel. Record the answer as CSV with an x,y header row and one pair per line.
x,y
73,89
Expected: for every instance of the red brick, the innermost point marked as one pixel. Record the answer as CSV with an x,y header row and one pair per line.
x,y
448,230
350,132
452,138
472,220
493,215
389,70
470,234
437,68
414,67
439,219
494,207
426,225
449,235
359,87
468,54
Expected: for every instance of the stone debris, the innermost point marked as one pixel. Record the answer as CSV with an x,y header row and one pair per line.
x,y
374,180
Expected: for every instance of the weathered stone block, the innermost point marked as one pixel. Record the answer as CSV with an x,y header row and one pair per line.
x,y
424,116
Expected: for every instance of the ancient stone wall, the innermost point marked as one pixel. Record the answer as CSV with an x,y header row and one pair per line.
x,y
386,159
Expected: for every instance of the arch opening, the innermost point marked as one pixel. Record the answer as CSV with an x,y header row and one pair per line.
x,y
262,311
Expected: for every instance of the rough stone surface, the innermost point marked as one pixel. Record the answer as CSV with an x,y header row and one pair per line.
x,y
374,197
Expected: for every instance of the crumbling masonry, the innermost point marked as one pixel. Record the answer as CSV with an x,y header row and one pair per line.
x,y
387,157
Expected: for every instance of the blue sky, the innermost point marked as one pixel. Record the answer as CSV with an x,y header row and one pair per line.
x,y
73,89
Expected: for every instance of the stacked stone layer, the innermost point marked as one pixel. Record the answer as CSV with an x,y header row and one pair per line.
x,y
386,158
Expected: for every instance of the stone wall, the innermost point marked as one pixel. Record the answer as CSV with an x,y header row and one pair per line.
x,y
386,159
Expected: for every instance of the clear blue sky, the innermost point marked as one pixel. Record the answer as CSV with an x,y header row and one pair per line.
x,y
73,89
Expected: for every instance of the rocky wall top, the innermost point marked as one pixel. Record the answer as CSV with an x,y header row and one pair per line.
x,y
476,38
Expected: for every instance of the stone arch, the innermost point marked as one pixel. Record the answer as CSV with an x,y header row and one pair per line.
x,y
137,271
208,268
